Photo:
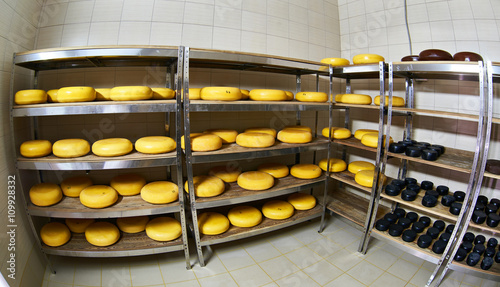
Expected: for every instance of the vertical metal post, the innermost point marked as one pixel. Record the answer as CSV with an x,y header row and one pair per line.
x,y
298,89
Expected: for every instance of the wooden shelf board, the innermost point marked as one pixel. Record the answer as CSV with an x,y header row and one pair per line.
x,y
370,107
348,178
96,103
454,159
491,175
436,113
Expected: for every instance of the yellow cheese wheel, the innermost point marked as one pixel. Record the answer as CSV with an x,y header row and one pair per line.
x,y
27,97
289,96
131,93
55,234
337,133
338,98
357,99
163,93
78,225
252,139
267,95
112,147
357,166
212,223
335,61
155,144
68,148
102,233
98,196
302,201
194,93
128,184
396,101
35,148
134,224
245,94
371,140
45,194
220,94
305,171
227,136
160,192
277,209
72,186
206,186
311,97
358,134
268,131
227,172
364,178
255,180
294,136
103,94
367,59
203,142
52,95
302,128
244,216
277,170
192,135
75,94
336,165
163,229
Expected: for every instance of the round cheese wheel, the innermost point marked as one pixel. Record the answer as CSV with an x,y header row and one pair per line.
x,y
212,223
112,147
336,165
128,184
134,224
245,94
311,97
220,94
98,196
206,186
357,166
227,173
75,94
289,96
131,93
367,59
78,225
35,148
203,142
155,144
277,209
267,95
335,61
268,131
364,178
28,97
55,234
358,134
160,192
227,136
255,180
294,136
52,95
192,135
103,94
163,229
244,216
305,171
371,140
102,233
337,133
302,128
277,170
396,101
253,139
194,94
68,148
357,99
72,186
302,201
45,194
163,93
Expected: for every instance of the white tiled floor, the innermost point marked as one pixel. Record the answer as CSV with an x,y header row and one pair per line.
x,y
296,256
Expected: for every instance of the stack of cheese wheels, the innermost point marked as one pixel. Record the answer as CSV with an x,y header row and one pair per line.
x,y
268,95
203,142
289,96
255,140
335,61
75,94
396,101
358,134
194,94
160,192
356,99
245,94
163,93
277,209
131,93
294,136
112,147
128,184
55,234
367,59
69,148
269,131
206,186
163,229
302,201
155,144
45,194
357,166
244,216
220,94
364,178
371,140
311,97
98,196
212,223
336,165
255,180
35,148
133,224
305,171
72,186
52,95
228,173
337,133
103,94
28,97
276,170
102,233
78,225
227,136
